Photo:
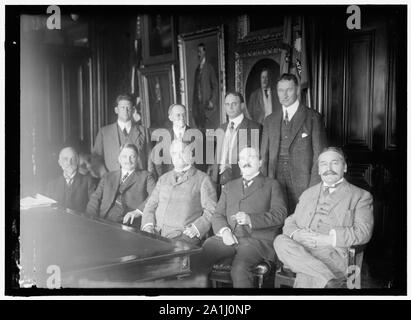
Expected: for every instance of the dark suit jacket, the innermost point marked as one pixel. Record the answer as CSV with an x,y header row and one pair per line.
x,y
107,146
136,189
209,92
308,139
246,124
263,201
256,104
76,195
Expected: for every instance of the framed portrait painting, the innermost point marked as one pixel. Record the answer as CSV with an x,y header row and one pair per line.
x,y
202,77
157,91
158,38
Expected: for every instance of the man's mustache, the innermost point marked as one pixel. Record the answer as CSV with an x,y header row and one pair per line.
x,y
328,172
247,165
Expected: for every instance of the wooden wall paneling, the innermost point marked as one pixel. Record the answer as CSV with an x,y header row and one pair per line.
x,y
357,105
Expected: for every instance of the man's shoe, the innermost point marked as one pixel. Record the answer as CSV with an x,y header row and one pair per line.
x,y
340,283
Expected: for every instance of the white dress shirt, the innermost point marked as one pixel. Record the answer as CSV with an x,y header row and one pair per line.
x,y
123,125
291,110
229,144
179,132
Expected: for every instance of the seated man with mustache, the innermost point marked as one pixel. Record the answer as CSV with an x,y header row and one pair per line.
x,y
249,215
330,217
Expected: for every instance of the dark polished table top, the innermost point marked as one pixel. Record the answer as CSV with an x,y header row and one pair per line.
x,y
94,249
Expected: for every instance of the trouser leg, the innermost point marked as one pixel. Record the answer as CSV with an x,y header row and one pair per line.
x,y
213,251
247,256
300,260
283,176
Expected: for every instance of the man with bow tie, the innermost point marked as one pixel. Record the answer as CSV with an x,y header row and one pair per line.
x,y
330,217
110,138
249,215
121,194
293,137
263,101
72,189
183,201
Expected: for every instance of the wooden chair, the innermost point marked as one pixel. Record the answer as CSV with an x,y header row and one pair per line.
x,y
284,277
221,273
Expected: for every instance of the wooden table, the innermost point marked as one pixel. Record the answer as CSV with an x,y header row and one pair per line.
x,y
62,247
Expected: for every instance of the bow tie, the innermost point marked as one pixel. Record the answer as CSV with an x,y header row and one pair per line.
x,y
179,175
329,189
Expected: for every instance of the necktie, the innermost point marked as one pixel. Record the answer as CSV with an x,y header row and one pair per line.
x,y
329,189
286,120
69,180
247,183
125,132
124,178
179,175
266,93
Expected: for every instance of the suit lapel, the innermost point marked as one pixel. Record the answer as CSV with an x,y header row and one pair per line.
x,y
276,130
129,181
113,182
299,118
313,201
135,136
113,135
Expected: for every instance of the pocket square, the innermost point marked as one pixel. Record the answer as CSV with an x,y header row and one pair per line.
x,y
304,135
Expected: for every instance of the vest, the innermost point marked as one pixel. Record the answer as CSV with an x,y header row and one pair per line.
x,y
285,137
322,221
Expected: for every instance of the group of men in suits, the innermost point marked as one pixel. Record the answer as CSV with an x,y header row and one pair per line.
x,y
260,185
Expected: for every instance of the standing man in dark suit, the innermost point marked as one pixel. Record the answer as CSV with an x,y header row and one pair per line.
x,y
293,137
72,189
205,98
263,101
248,216
121,194
124,130
233,136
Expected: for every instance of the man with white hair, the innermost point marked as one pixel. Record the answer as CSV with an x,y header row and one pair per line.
x,y
330,217
72,189
183,201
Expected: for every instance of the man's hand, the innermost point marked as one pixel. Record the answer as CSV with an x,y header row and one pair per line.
x,y
304,237
131,216
191,231
210,105
312,239
149,228
242,218
228,238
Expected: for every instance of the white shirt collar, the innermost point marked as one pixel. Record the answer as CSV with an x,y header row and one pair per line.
x,y
291,110
268,90
202,62
179,130
253,176
184,169
333,186
124,172
123,125
68,178
237,120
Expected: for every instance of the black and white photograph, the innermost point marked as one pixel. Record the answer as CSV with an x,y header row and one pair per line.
x,y
300,190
